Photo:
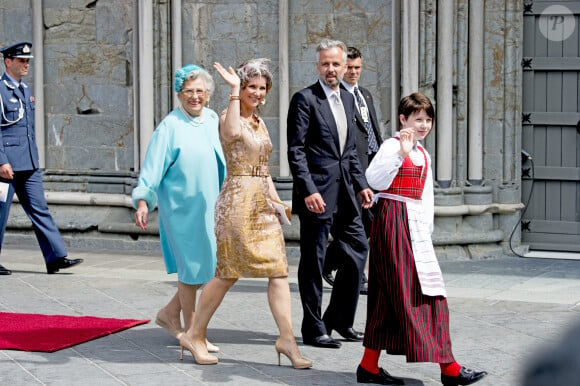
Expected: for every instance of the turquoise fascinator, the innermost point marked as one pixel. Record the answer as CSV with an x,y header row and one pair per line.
x,y
181,74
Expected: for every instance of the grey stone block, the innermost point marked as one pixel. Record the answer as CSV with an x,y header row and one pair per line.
x,y
451,253
113,22
63,22
310,7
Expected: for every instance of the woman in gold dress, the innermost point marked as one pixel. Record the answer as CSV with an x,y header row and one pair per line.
x,y
250,242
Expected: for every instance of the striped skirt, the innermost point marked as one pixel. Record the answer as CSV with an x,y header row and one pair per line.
x,y
400,318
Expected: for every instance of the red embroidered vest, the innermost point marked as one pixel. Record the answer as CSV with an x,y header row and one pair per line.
x,y
410,180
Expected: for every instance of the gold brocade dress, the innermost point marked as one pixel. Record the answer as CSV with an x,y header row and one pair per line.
x,y
250,242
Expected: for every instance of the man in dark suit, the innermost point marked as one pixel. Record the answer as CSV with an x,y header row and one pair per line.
x,y
327,177
368,140
19,167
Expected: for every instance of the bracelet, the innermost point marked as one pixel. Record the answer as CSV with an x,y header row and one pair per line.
x,y
234,97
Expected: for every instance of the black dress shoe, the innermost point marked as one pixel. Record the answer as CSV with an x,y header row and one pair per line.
x,y
62,263
465,377
349,334
323,341
382,378
5,271
327,276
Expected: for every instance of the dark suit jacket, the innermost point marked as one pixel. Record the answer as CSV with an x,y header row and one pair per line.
x,y
362,138
314,152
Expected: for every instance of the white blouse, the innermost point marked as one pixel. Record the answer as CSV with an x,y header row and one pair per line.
x,y
385,166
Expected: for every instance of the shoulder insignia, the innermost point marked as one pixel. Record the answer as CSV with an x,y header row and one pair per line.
x,y
9,84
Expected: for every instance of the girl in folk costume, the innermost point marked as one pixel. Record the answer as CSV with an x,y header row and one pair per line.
x,y
407,311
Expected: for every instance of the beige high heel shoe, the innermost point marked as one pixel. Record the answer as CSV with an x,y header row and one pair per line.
x,y
292,352
201,359
211,347
162,321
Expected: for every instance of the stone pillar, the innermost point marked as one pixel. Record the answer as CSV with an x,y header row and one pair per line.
x,y
513,91
460,87
427,63
444,93
410,47
395,64
284,84
38,50
176,34
145,70
475,103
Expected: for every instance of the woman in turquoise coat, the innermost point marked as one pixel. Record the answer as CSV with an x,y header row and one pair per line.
x,y
182,174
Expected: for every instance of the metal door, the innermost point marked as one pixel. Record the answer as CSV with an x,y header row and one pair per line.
x,y
550,125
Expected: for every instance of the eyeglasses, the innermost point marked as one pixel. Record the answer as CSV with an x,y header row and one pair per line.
x,y
189,93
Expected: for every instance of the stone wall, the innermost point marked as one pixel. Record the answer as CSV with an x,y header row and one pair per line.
x,y
233,31
88,85
89,71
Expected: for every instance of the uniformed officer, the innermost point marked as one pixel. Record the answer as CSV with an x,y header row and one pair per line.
x,y
19,167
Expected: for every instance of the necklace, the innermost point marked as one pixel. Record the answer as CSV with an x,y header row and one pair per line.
x,y
253,121
195,121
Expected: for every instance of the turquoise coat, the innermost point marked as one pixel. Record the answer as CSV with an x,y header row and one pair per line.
x,y
182,174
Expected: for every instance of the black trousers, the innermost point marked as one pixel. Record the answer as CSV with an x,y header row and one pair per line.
x,y
332,260
348,233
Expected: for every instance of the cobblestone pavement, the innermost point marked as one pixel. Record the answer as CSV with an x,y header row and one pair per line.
x,y
501,311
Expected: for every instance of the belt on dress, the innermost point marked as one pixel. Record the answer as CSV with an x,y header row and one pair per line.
x,y
253,171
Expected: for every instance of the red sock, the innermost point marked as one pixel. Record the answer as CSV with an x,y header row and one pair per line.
x,y
451,369
370,361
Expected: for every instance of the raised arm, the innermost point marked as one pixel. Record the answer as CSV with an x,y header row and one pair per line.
x,y
230,126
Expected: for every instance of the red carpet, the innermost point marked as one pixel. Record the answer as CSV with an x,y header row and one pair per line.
x,y
49,333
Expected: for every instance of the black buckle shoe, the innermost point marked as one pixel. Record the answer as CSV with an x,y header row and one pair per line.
x,y
382,378
465,377
62,263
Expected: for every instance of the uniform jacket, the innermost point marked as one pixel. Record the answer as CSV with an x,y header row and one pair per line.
x,y
17,136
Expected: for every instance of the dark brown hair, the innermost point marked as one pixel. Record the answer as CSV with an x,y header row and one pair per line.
x,y
353,53
414,103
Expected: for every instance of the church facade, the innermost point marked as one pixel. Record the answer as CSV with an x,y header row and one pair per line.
x,y
503,76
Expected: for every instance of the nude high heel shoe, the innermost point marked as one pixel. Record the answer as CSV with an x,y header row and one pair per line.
x,y
162,321
211,347
200,358
291,351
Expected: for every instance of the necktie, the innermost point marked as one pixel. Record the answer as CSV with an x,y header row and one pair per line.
x,y
363,109
340,119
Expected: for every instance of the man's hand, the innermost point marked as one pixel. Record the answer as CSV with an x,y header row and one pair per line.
x,y
367,198
6,171
315,203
